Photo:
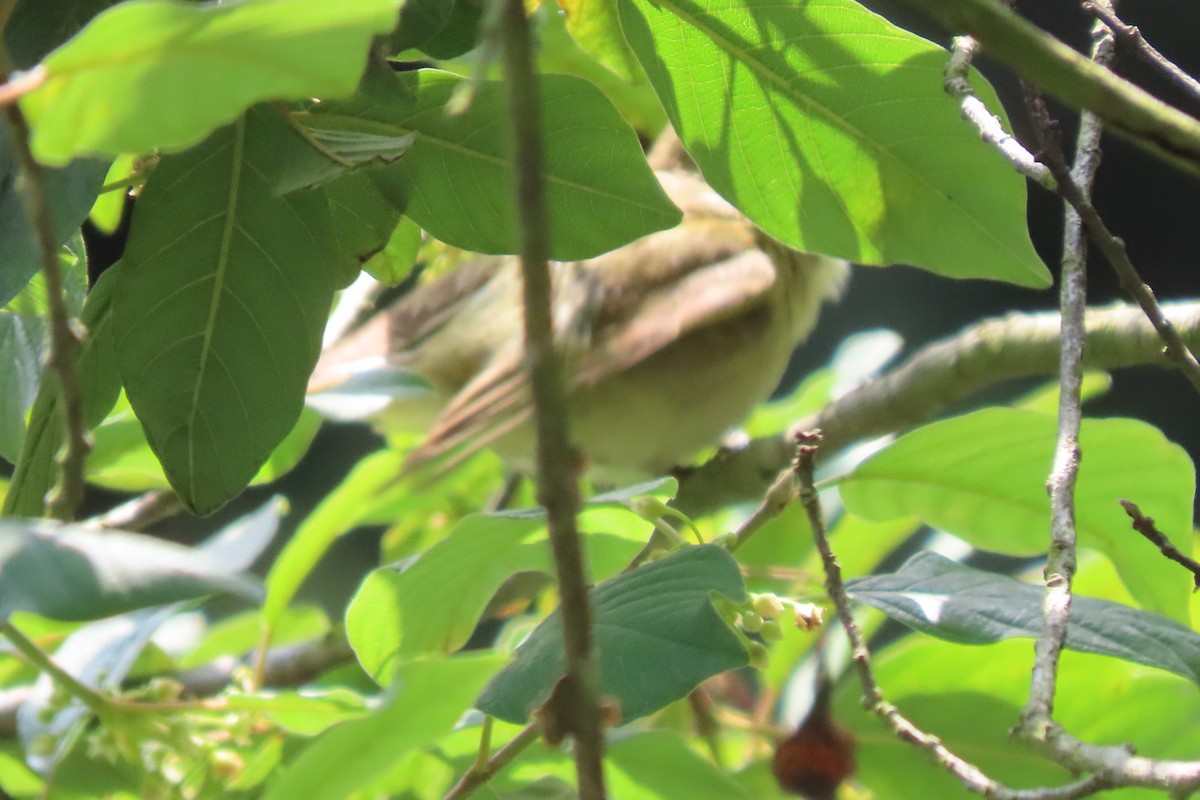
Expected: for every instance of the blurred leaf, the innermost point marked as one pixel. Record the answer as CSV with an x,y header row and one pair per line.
x,y
935,595
71,572
338,513
306,713
237,283
99,655
25,341
459,34
428,699
660,613
70,192
1045,398
157,74
982,477
37,469
600,192
827,146
108,210
238,634
659,764
394,263
596,27
420,20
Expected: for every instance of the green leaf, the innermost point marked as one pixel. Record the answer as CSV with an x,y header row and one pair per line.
x,y
846,145
325,146
433,604
36,469
982,476
596,27
599,190
151,74
420,20
222,301
22,345
429,698
659,764
70,193
459,35
943,598
337,514
70,572
305,713
394,263
660,613
1045,397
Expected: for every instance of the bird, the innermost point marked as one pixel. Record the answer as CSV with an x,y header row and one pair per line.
x,y
667,343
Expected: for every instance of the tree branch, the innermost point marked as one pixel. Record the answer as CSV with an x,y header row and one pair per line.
x,y
1019,345
1130,37
575,707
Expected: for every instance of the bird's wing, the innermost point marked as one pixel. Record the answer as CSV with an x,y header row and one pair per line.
x,y
653,292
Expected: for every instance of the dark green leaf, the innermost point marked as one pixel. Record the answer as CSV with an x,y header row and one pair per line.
x,y
599,189
70,192
460,33
658,614
161,74
36,27
420,20
223,297
36,470
829,127
935,595
70,572
981,476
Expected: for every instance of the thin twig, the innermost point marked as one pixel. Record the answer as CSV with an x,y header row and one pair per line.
x,y
781,494
1146,527
577,709
64,342
475,777
1060,563
1130,37
1165,131
958,85
45,664
973,778
286,666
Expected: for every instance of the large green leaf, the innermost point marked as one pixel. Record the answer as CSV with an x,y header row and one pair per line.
x,y
391,619
428,698
982,476
74,573
223,296
659,614
828,126
943,598
457,178
151,74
